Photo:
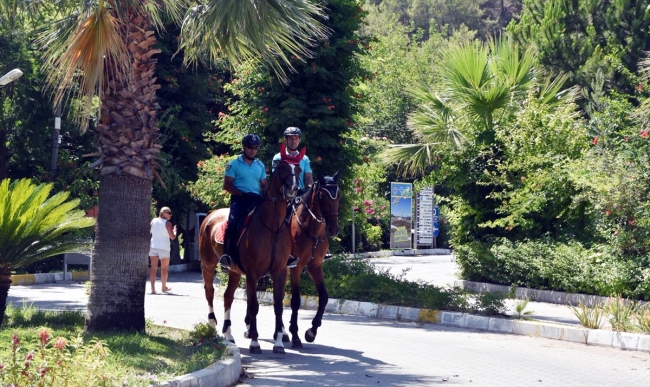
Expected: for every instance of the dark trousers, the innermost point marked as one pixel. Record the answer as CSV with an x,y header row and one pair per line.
x,y
239,207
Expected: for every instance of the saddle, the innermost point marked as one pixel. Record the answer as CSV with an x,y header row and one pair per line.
x,y
240,226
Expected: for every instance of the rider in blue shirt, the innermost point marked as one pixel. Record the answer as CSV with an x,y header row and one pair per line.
x,y
292,138
245,179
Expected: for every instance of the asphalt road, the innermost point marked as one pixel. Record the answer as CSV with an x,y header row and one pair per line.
x,y
359,351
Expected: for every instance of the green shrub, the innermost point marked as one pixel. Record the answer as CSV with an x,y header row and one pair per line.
x,y
553,265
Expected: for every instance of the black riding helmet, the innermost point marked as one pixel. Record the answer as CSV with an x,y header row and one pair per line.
x,y
251,140
292,131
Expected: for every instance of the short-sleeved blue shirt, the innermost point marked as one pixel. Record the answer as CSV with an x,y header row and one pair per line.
x,y
305,167
247,177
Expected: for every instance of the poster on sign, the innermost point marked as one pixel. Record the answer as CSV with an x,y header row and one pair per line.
x,y
401,209
424,217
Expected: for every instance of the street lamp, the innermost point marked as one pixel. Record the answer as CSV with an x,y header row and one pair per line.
x,y
10,76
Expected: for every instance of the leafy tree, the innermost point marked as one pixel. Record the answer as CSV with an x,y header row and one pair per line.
x,y
459,125
318,98
581,38
109,47
34,227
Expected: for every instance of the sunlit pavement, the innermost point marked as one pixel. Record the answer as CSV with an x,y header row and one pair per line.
x,y
359,351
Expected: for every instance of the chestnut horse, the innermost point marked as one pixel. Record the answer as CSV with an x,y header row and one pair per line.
x,y
264,249
315,218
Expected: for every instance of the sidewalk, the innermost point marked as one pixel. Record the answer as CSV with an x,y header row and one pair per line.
x,y
548,320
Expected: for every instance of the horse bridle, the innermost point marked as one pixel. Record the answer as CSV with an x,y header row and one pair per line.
x,y
291,175
316,239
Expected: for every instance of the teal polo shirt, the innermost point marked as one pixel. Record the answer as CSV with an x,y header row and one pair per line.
x,y
305,167
247,177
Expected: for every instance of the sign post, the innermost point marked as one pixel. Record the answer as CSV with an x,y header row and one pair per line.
x,y
424,216
401,197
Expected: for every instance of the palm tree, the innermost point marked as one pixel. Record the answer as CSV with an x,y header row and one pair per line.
x,y
33,227
480,81
108,47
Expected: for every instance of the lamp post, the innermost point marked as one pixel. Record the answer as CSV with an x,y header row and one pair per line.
x,y
56,137
4,157
10,77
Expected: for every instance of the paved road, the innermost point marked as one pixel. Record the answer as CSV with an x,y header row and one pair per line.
x,y
358,351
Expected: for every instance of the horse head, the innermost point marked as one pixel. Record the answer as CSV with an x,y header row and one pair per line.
x,y
287,172
329,196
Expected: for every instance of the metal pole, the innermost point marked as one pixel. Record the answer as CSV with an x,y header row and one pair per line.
x,y
433,208
353,242
56,137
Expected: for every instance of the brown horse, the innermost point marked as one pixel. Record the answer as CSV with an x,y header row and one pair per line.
x,y
264,249
315,218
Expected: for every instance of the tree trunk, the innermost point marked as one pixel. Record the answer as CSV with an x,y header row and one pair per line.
x,y
120,254
129,144
5,283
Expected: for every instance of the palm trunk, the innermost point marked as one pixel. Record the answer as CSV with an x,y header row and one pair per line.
x,y
5,283
120,255
129,141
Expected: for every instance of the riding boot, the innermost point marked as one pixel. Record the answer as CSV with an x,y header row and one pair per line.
x,y
225,261
292,262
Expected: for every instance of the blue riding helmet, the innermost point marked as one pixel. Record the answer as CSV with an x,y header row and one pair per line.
x,y
292,131
251,140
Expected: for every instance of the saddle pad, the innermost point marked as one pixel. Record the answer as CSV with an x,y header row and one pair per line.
x,y
220,235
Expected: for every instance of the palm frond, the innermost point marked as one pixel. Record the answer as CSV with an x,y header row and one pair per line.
x,y
76,52
412,159
33,226
264,31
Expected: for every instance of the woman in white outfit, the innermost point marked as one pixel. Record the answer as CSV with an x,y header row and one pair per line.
x,y
160,247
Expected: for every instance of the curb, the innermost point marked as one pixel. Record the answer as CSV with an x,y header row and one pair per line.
x,y
43,278
405,252
223,373
548,296
564,332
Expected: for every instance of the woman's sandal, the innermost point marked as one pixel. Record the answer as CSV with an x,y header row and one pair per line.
x,y
167,289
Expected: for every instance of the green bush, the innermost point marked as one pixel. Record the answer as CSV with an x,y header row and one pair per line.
x,y
553,265
357,279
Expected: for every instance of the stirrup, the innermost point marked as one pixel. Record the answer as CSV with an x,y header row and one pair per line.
x,y
225,261
292,262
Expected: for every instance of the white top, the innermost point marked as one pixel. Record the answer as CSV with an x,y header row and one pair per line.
x,y
159,235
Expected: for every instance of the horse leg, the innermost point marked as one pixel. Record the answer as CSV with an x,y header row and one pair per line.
x,y
279,279
295,305
316,273
207,272
251,313
228,297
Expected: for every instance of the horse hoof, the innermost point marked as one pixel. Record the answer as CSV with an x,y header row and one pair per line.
x,y
296,343
278,349
285,338
256,350
309,336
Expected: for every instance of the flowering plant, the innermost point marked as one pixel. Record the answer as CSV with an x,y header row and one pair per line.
x,y
53,362
208,188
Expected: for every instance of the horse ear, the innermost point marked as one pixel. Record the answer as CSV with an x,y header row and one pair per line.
x,y
336,176
321,180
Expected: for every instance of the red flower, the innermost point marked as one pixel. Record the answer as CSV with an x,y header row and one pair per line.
x,y
644,134
595,141
44,336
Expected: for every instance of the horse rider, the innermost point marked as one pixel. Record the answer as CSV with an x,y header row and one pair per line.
x,y
292,137
245,180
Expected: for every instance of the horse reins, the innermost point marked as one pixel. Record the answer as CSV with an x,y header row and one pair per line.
x,y
316,239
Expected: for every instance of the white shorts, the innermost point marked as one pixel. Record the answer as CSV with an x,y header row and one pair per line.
x,y
160,253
